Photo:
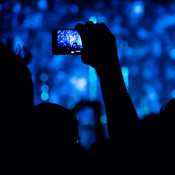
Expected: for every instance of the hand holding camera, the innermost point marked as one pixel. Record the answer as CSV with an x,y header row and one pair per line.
x,y
94,42
99,45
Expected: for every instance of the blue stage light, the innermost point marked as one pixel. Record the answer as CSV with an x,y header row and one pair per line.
x,y
125,73
44,88
124,44
74,8
153,96
17,8
144,106
33,21
134,70
93,19
170,72
56,62
79,83
54,97
138,7
173,93
157,48
172,54
150,69
44,77
143,33
102,19
18,45
42,4
103,119
44,96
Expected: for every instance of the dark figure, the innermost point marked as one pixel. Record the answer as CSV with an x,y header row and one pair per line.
x,y
157,132
151,149
167,134
56,134
16,109
123,122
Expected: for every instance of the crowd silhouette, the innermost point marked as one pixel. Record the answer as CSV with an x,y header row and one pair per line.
x,y
44,139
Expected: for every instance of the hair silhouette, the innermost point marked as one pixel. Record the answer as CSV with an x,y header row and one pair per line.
x,y
16,109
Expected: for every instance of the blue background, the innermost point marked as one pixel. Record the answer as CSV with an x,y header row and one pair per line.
x,y
145,34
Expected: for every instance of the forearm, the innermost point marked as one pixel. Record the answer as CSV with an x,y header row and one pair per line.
x,y
121,114
100,52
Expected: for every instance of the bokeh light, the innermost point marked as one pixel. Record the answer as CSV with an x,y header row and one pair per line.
x,y
103,119
44,88
42,4
44,77
138,7
93,19
44,96
145,37
173,93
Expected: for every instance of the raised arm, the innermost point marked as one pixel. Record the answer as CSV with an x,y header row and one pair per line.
x,y
100,52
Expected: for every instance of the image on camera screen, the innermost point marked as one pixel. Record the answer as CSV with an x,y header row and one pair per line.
x,y
69,39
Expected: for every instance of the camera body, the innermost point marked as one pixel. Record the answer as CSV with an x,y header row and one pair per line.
x,y
66,42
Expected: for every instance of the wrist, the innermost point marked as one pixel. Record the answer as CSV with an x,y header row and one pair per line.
x,y
110,74
108,67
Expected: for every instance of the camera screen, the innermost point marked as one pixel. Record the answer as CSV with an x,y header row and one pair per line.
x,y
69,39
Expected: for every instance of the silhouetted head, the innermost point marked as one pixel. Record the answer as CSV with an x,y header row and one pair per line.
x,y
16,101
167,114
56,134
56,126
169,110
16,82
150,126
